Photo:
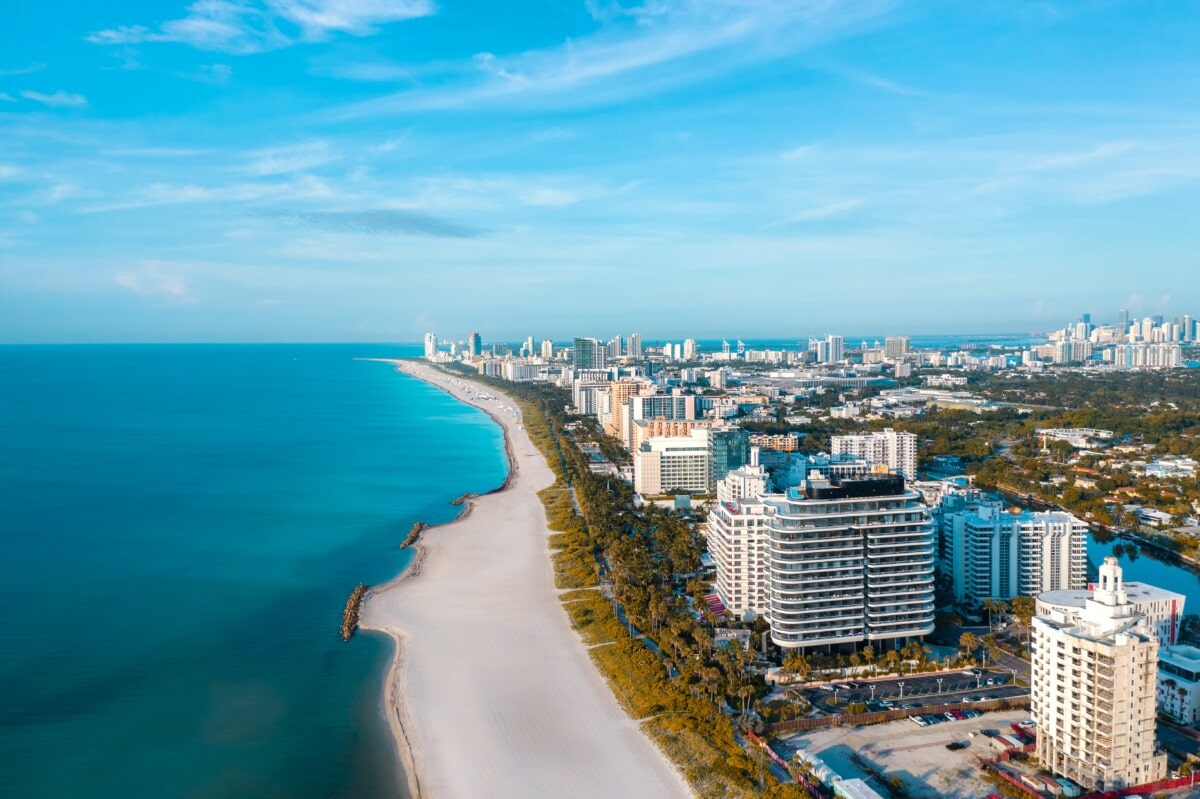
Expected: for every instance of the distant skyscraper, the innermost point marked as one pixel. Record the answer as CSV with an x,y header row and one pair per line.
x,y
588,353
895,347
430,345
1085,318
474,345
837,348
547,348
1157,319
635,345
1123,320
527,350
615,348
689,349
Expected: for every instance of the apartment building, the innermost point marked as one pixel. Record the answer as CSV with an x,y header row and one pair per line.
x,y
850,560
673,463
738,540
1093,688
990,553
897,451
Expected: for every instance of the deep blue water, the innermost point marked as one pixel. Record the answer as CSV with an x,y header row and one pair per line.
x,y
1144,568
180,528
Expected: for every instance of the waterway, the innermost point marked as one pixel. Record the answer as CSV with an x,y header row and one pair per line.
x,y
1142,565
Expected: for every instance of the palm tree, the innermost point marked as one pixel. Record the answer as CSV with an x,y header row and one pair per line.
x,y
993,606
968,642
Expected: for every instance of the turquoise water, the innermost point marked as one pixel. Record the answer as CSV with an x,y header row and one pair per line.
x,y
180,527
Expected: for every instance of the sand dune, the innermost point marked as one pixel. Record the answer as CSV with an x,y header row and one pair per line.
x,y
493,693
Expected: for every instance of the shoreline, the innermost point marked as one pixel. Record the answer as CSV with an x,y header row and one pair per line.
x,y
485,661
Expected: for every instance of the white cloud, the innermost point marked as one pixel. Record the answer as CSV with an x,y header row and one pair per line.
x,y
8,73
242,27
7,98
820,213
149,279
293,158
59,99
303,187
797,153
641,51
215,73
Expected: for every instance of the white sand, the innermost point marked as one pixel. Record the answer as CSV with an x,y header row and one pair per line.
x,y
492,693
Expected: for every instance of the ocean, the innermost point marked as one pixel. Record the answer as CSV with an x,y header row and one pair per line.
x,y
181,526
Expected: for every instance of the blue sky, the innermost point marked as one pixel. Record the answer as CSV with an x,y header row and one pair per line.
x,y
334,170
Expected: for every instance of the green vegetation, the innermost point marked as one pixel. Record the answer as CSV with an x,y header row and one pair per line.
x,y
643,552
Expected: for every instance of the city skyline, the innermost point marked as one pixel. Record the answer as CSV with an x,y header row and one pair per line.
x,y
311,170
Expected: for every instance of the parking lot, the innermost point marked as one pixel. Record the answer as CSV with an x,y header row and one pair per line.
x,y
919,756
914,690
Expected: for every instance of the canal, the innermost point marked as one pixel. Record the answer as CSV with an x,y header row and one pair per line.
x,y
1142,565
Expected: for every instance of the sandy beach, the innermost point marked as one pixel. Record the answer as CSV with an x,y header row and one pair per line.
x,y
492,693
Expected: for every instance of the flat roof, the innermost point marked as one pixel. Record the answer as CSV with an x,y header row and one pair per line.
x,y
1077,597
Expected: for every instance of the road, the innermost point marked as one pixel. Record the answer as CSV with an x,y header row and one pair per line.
x,y
937,688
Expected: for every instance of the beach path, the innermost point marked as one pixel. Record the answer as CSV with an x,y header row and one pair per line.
x,y
493,694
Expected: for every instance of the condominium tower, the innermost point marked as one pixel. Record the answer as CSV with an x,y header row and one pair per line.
x,y
588,353
897,451
1093,689
430,345
851,560
991,554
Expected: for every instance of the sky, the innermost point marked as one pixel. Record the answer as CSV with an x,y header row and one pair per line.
x,y
368,170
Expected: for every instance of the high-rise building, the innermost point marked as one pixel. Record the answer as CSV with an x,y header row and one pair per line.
x,y
474,345
897,451
991,554
588,353
737,540
615,348
728,449
635,345
430,345
676,407
547,349
895,347
689,349
1123,320
851,560
619,393
527,350
662,465
1093,689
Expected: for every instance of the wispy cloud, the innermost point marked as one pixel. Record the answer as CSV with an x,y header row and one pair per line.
x,y
819,213
644,51
7,98
292,158
156,194
6,73
231,26
385,221
59,99
150,279
796,153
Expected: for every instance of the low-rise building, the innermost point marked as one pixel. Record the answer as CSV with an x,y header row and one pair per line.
x,y
1179,683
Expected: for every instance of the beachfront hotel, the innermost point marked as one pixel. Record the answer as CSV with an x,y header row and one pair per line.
x,y
1094,678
